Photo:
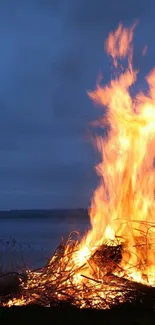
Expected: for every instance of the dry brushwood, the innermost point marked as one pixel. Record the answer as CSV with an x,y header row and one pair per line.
x,y
107,258
54,284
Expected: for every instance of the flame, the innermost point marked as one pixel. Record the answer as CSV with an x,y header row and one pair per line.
x,y
118,43
122,211
123,205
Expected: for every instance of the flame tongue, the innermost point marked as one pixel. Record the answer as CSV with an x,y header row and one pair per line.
x,y
123,204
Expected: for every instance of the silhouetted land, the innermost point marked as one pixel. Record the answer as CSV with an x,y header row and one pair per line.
x,y
55,213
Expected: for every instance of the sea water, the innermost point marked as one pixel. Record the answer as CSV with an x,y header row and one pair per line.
x,y
30,242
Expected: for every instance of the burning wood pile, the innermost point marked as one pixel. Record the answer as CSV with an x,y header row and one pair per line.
x,y
97,283
115,261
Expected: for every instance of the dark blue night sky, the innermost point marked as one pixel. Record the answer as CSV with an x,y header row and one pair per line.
x,y
51,52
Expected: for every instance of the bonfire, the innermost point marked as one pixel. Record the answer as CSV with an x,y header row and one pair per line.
x,y
115,260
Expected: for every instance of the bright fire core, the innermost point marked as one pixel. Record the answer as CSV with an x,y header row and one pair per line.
x,y
123,206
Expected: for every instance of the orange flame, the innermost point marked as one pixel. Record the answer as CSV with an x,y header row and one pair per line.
x,y
118,44
123,204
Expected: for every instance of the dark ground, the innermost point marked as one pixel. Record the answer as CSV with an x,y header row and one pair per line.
x,y
36,314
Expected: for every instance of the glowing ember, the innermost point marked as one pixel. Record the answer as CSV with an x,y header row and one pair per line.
x,y
120,243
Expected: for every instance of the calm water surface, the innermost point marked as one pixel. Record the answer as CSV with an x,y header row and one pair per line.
x,y
31,242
